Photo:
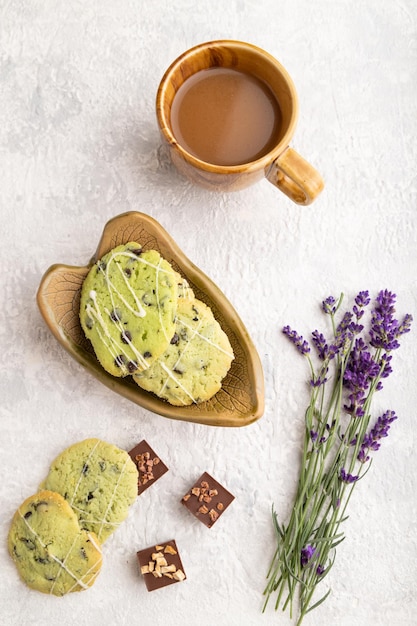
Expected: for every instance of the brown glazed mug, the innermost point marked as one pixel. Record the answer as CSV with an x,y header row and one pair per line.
x,y
281,165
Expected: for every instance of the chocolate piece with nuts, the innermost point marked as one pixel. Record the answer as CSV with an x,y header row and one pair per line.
x,y
161,565
149,465
207,499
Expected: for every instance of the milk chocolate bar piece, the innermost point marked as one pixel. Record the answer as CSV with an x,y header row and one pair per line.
x,y
161,565
207,499
149,465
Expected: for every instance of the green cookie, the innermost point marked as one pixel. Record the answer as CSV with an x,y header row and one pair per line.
x,y
98,480
51,552
193,366
128,306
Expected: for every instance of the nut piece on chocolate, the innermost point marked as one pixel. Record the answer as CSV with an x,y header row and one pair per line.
x,y
149,465
161,565
207,499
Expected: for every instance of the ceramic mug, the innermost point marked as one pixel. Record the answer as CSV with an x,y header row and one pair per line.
x,y
281,165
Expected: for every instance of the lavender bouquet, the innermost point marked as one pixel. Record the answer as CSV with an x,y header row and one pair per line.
x,y
339,443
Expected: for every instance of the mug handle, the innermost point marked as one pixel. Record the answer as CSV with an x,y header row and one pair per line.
x,y
295,177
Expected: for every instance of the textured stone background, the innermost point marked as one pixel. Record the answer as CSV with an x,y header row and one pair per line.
x,y
78,145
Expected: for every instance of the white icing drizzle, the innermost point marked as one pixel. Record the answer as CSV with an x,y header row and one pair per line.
x,y
78,581
79,510
90,580
184,290
95,543
120,349
104,521
171,372
207,340
64,565
81,473
93,520
110,346
139,311
157,271
114,347
102,325
177,362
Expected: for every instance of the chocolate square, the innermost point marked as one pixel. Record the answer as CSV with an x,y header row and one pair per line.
x,y
165,564
207,499
149,465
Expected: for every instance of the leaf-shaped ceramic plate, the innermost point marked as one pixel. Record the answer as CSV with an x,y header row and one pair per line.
x,y
239,402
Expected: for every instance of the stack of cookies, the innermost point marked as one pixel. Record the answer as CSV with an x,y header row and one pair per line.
x,y
143,319
56,535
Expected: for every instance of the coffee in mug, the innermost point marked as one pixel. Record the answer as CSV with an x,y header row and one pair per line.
x,y
227,111
225,116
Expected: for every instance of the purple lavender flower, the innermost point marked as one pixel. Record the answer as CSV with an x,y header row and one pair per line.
x,y
324,350
385,365
385,329
361,369
361,301
355,328
348,324
329,305
371,440
334,443
405,325
307,554
344,323
300,343
319,341
317,381
385,369
347,478
313,434
343,334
